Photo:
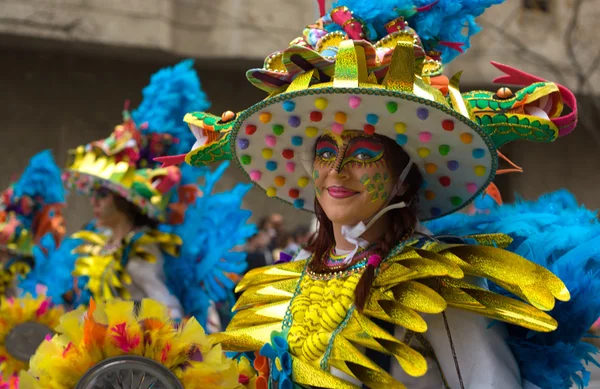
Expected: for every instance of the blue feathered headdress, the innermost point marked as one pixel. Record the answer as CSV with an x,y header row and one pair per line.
x,y
41,180
435,22
39,185
172,92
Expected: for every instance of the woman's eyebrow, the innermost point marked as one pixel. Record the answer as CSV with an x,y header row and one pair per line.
x,y
365,143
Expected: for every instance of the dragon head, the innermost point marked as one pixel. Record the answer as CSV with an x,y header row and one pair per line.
x,y
532,113
212,137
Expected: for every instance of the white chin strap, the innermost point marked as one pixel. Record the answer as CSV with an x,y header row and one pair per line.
x,y
352,234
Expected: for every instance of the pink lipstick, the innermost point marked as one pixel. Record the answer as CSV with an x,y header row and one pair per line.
x,y
339,192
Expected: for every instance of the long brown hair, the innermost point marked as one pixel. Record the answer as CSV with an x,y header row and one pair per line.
x,y
134,213
403,220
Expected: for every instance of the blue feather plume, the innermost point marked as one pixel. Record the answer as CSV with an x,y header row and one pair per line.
x,y
41,180
448,20
559,234
213,227
172,92
53,267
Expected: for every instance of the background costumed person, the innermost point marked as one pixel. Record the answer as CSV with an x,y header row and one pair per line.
x,y
362,128
152,207
30,212
31,222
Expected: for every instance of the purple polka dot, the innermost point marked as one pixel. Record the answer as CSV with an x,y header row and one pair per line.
x,y
243,144
422,113
294,121
452,165
435,212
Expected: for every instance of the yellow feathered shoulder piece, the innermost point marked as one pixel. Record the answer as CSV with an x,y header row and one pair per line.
x,y
112,331
106,267
325,330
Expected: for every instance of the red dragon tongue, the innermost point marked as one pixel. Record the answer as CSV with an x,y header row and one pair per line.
x,y
566,124
170,160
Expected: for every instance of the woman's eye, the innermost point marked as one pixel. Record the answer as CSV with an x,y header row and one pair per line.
x,y
363,156
326,154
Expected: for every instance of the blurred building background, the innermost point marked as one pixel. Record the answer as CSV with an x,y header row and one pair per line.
x,y
67,66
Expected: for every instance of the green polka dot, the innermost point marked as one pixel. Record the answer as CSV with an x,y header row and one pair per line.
x,y
277,129
246,159
456,201
444,149
392,106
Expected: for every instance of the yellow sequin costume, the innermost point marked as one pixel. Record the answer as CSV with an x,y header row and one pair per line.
x,y
106,268
325,330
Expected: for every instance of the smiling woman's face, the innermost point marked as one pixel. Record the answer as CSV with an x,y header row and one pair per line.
x,y
351,176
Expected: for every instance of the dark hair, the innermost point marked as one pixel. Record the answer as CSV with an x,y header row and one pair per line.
x,y
134,213
403,220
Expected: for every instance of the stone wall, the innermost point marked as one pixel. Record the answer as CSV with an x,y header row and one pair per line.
x,y
61,100
203,29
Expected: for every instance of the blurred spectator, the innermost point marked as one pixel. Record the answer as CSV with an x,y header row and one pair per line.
x,y
257,250
273,225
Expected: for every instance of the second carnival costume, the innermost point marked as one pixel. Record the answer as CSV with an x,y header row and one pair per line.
x,y
187,264
376,67
172,197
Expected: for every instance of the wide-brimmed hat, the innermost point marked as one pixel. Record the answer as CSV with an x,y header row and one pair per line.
x,y
338,77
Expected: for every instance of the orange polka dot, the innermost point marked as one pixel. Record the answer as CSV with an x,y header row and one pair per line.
x,y
340,117
429,195
265,117
466,138
430,168
280,181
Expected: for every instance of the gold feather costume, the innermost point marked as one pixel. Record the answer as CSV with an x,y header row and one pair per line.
x,y
325,330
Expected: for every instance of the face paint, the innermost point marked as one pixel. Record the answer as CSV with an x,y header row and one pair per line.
x,y
375,186
363,151
351,178
326,152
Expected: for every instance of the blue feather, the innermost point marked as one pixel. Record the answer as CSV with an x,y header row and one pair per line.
x,y
448,20
213,227
41,181
52,269
172,92
559,234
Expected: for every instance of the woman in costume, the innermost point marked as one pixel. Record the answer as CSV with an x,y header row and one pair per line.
x,y
31,213
151,211
362,128
30,210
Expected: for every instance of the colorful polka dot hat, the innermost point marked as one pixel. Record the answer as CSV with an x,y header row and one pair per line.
x,y
368,70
